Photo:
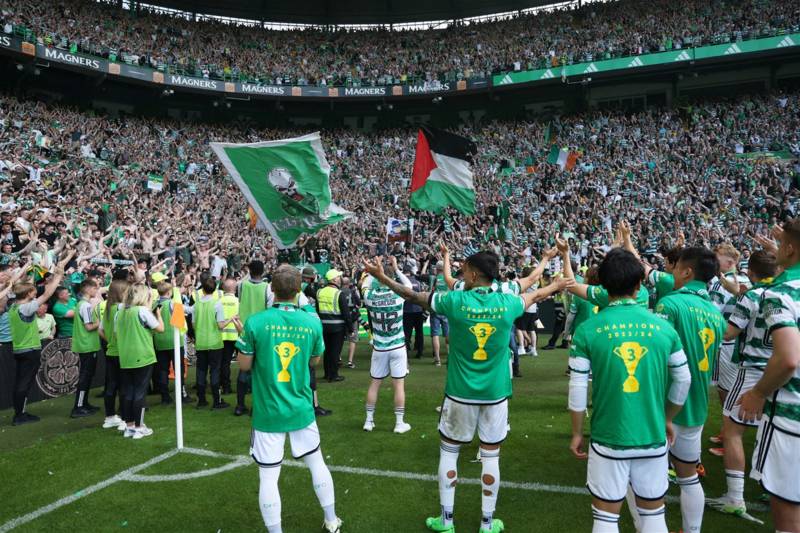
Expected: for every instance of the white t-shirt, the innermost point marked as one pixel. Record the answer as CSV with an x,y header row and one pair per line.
x,y
217,265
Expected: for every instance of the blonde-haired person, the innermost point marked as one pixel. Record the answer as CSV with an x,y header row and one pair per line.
x,y
116,296
26,345
134,326
45,323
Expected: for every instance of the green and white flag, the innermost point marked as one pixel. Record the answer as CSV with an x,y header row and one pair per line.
x,y
155,182
287,184
558,156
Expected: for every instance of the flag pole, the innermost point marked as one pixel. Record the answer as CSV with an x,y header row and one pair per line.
x,y
178,322
178,389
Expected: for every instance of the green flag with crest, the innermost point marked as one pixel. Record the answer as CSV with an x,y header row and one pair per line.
x,y
287,184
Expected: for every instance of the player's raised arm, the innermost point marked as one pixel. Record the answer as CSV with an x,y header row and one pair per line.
x,y
375,269
578,289
730,285
538,295
448,272
528,281
627,241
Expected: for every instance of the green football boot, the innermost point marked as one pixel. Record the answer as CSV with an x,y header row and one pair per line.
x,y
436,523
497,527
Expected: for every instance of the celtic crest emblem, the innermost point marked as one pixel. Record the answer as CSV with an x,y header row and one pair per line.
x,y
59,369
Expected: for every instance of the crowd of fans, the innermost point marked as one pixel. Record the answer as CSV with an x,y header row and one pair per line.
x,y
209,48
72,180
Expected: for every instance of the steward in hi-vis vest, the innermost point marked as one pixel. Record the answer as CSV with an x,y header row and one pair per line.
x,y
254,296
230,334
334,313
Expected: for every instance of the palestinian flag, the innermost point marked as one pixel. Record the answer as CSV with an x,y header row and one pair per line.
x,y
442,175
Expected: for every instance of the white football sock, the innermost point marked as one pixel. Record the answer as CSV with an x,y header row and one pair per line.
x,y
448,477
490,484
269,499
399,413
693,501
653,520
323,483
630,497
370,412
735,479
604,522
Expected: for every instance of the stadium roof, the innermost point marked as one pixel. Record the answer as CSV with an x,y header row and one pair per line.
x,y
346,12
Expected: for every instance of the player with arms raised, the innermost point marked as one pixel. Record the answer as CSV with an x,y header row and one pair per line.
x,y
389,356
777,393
478,380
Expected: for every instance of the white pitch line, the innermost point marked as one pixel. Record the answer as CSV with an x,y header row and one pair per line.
x,y
415,476
24,519
238,461
538,487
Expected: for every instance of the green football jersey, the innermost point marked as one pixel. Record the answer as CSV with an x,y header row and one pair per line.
x,y
282,341
701,328
629,351
439,284
662,282
780,308
385,310
583,310
481,321
63,322
598,296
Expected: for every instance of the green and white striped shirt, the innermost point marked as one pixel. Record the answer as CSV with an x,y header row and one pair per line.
x,y
722,299
755,347
385,310
506,287
780,308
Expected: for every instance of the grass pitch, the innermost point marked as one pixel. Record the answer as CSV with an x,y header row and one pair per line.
x,y
384,482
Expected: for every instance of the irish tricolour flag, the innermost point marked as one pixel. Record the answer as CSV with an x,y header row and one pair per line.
x,y
442,175
563,157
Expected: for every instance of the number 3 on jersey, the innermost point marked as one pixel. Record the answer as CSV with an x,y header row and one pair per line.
x,y
286,352
482,333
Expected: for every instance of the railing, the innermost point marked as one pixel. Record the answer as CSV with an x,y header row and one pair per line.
x,y
214,72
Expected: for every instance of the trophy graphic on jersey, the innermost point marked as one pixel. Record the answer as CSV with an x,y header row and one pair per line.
x,y
708,338
286,351
482,332
293,202
630,353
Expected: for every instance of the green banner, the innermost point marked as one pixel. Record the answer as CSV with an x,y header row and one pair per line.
x,y
287,184
648,60
781,154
